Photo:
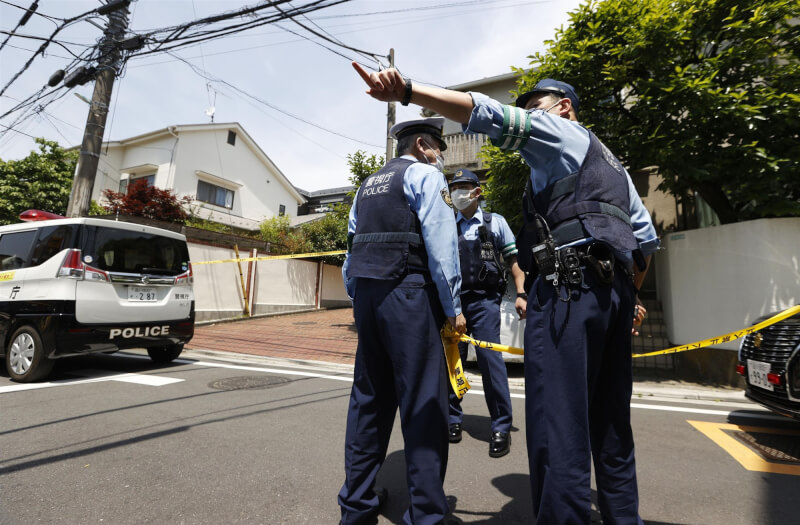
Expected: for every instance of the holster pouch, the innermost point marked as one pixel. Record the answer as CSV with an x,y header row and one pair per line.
x,y
600,258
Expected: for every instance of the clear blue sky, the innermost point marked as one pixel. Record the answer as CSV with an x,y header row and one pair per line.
x,y
440,42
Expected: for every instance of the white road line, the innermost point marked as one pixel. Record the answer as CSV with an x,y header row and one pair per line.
x,y
140,379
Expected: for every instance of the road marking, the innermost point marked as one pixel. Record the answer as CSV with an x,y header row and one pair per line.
x,y
140,379
724,413
748,458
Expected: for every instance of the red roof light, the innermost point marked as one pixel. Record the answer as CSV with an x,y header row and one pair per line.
x,y
38,215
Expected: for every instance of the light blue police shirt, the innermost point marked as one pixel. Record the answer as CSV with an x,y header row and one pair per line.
x,y
425,189
499,228
556,148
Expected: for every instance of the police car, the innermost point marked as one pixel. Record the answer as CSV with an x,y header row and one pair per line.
x,y
74,286
769,360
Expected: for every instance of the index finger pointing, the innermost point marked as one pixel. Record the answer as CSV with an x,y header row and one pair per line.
x,y
363,73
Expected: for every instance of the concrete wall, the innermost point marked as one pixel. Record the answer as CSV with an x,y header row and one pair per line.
x,y
285,285
716,280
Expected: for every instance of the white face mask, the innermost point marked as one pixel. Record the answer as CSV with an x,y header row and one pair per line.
x,y
462,199
439,159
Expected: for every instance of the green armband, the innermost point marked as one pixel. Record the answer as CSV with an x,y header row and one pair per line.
x,y
516,129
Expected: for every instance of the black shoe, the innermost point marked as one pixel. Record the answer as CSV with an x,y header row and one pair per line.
x,y
455,433
500,444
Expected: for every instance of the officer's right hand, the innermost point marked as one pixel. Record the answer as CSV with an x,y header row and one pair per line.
x,y
387,85
459,323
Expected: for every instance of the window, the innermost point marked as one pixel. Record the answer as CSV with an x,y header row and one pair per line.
x,y
281,210
216,195
128,251
14,249
126,184
232,138
52,240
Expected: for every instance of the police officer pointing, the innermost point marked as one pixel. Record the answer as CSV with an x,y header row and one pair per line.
x,y
585,230
402,272
484,239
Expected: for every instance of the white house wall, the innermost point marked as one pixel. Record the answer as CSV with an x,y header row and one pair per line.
x,y
259,195
717,280
217,288
285,285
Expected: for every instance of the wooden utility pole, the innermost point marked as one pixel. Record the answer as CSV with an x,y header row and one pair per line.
x,y
390,118
86,169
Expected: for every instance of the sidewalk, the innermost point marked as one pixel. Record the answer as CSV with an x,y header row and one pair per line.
x,y
330,336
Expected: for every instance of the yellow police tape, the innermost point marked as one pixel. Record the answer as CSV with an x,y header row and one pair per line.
x,y
731,336
274,257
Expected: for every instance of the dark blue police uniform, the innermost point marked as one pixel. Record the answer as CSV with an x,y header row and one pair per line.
x,y
481,242
578,378
399,308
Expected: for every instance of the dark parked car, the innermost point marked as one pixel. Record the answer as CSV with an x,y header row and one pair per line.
x,y
769,360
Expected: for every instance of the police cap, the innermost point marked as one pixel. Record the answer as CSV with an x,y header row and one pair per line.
x,y
432,126
465,176
555,87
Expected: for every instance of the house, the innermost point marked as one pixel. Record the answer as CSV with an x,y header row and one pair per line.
x,y
230,178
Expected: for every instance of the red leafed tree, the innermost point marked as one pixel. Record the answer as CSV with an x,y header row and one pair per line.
x,y
145,200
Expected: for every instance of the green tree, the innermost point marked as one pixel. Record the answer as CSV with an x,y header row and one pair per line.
x,y
704,89
329,233
40,181
282,237
362,166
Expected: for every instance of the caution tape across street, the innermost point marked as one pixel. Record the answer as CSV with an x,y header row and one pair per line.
x,y
731,336
274,257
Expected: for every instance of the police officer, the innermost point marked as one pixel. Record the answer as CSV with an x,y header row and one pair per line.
x,y
484,239
402,272
587,230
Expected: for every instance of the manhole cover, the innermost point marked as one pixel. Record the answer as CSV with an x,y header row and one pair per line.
x,y
248,382
773,447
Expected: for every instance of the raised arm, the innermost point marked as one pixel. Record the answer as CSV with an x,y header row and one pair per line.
x,y
390,86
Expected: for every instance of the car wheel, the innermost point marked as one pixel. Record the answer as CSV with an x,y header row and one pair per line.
x,y
25,356
164,354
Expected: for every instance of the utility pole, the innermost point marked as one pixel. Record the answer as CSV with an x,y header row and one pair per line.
x,y
86,169
390,118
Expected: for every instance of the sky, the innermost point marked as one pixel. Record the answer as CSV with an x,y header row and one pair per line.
x,y
302,86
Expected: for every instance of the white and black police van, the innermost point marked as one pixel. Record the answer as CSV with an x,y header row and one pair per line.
x,y
74,286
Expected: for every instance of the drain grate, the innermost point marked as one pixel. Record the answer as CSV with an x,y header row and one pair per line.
x,y
772,447
248,382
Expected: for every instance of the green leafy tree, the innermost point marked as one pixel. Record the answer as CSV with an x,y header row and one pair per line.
x,y
282,237
40,181
704,89
329,233
144,200
362,166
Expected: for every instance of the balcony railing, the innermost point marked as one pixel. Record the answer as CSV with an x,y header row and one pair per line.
x,y
462,151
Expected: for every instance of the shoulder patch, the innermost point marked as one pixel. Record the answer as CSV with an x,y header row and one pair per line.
x,y
446,197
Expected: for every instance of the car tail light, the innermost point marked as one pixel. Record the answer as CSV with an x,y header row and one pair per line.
x,y
186,278
74,268
775,379
740,369
94,274
72,265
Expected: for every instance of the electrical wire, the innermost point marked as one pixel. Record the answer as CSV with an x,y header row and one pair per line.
x,y
211,78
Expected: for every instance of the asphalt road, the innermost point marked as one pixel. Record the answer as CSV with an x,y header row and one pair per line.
x,y
235,439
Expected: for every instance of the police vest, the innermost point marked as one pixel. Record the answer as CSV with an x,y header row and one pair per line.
x,y
480,263
594,202
387,243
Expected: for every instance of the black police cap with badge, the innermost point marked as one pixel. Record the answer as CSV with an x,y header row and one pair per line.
x,y
465,176
554,87
431,126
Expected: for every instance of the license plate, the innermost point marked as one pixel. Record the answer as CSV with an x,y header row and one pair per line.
x,y
757,374
141,294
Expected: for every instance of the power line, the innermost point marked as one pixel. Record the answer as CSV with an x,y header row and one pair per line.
x,y
211,78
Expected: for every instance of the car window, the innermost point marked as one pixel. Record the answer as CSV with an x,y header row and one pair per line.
x,y
126,251
15,248
52,240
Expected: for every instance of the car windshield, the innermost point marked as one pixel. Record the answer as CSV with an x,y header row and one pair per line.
x,y
125,251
